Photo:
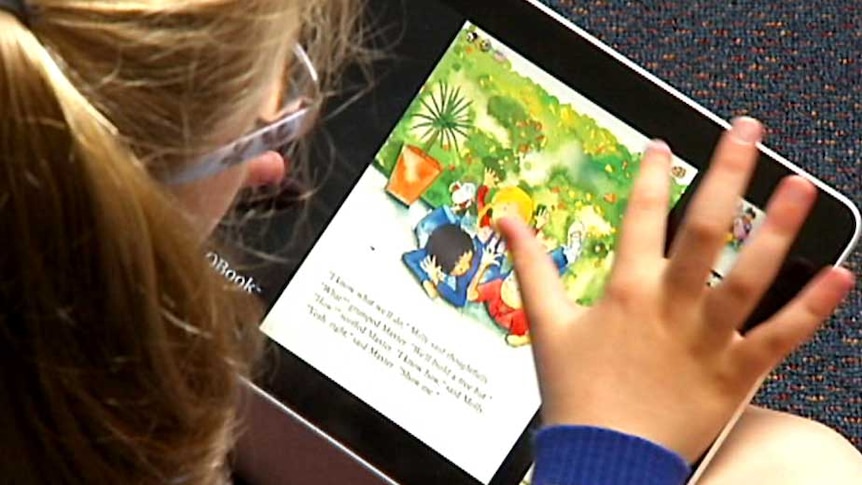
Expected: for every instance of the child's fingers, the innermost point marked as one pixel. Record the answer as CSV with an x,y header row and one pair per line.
x,y
542,289
771,341
645,223
706,223
761,259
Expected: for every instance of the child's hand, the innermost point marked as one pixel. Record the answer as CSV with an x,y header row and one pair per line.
x,y
660,356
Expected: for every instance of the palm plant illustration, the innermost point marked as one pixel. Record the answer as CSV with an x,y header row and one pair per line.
x,y
446,117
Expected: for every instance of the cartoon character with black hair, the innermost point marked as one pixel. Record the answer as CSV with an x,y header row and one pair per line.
x,y
448,263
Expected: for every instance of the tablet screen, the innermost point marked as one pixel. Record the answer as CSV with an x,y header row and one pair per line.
x,y
408,300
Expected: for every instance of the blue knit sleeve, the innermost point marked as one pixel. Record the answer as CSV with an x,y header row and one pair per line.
x,y
582,455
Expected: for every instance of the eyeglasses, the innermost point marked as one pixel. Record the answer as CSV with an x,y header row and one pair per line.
x,y
299,107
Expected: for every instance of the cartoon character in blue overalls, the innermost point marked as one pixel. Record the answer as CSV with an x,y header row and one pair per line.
x,y
448,263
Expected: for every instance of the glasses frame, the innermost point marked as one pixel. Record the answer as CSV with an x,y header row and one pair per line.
x,y
288,126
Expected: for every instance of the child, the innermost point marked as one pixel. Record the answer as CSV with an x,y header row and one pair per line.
x,y
122,350
127,128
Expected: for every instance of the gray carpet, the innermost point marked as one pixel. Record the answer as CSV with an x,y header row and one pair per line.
x,y
796,65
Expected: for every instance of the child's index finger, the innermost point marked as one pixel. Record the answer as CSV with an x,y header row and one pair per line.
x,y
542,291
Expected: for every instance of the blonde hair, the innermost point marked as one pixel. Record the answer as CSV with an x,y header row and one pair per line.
x,y
512,195
121,350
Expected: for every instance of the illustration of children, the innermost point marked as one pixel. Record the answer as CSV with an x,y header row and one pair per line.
x,y
541,218
511,201
495,242
463,194
743,225
448,263
502,298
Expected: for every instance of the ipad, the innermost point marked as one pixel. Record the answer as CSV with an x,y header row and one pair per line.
x,y
385,334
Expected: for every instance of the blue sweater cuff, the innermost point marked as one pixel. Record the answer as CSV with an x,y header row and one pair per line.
x,y
583,455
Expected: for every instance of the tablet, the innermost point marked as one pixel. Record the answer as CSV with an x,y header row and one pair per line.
x,y
393,334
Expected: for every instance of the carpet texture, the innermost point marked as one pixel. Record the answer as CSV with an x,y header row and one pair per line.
x,y
797,66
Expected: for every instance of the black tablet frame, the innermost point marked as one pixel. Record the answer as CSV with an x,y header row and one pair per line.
x,y
616,85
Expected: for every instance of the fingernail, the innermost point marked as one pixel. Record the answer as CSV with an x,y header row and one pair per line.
x,y
850,278
747,130
658,146
500,220
799,190
844,280
499,224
